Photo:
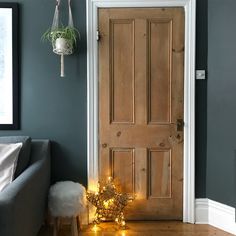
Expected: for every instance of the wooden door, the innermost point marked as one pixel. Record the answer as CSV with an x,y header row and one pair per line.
x,y
141,66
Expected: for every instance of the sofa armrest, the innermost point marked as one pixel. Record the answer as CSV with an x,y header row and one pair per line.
x,y
23,202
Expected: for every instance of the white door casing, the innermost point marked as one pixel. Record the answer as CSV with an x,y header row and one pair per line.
x,y
189,92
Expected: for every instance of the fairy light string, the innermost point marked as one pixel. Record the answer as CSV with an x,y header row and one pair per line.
x,y
109,203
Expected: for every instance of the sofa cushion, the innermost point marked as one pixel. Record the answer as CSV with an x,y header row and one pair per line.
x,y
24,155
8,161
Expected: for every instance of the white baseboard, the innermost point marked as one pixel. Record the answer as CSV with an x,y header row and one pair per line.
x,y
201,206
215,214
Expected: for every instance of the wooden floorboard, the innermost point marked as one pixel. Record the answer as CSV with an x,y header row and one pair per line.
x,y
150,228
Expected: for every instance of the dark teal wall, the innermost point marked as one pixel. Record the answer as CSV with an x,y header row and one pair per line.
x,y
216,101
221,100
201,98
51,107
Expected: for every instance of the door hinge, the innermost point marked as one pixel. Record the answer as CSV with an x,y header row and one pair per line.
x,y
98,35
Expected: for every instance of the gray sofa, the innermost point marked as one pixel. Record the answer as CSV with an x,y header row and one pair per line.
x,y
23,202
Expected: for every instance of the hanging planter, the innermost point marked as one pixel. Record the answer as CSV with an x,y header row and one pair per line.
x,y
63,39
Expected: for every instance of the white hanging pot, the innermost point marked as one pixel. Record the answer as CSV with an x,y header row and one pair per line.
x,y
62,46
65,36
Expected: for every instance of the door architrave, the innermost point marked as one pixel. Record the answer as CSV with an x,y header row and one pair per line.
x,y
189,92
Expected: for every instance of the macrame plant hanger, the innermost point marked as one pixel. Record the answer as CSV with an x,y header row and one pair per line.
x,y
68,49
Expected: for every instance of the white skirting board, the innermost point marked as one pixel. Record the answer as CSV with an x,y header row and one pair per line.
x,y
216,214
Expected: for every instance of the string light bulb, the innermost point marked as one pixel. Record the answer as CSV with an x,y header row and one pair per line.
x,y
95,228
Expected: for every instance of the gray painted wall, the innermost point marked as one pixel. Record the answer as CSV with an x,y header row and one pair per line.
x,y
221,100
215,101
55,108
52,107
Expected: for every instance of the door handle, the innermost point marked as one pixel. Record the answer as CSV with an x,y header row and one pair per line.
x,y
180,125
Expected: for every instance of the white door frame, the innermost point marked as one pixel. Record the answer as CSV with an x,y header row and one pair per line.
x,y
189,92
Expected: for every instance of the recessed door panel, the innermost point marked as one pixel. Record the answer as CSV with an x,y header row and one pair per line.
x,y
122,168
159,174
122,71
159,77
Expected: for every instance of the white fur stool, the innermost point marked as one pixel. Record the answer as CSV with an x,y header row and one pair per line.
x,y
67,199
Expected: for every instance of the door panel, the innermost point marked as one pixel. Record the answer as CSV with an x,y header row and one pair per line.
x,y
122,168
122,74
159,77
141,58
159,172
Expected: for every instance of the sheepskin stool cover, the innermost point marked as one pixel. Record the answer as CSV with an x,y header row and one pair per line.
x,y
67,199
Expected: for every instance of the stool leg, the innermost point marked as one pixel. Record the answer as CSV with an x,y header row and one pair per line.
x,y
47,220
55,226
78,223
74,228
58,224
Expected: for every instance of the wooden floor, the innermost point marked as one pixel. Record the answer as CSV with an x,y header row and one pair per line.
x,y
150,228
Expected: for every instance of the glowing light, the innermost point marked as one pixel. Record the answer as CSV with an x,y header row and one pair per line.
x,y
123,234
95,228
109,203
106,204
93,186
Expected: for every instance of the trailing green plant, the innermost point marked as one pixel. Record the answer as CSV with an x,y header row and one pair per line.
x,y
69,33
